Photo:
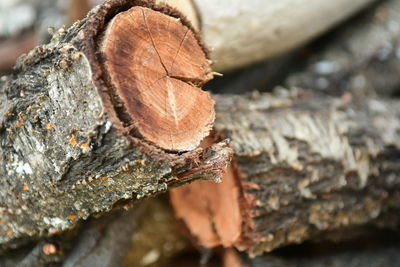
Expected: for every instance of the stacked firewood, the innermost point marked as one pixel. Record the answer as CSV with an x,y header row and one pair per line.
x,y
290,158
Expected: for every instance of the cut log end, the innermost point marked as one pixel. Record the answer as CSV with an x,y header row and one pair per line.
x,y
155,66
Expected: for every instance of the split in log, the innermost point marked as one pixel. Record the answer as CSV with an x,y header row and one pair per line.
x,y
302,166
75,119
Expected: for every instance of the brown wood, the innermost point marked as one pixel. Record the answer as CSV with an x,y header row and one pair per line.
x,y
156,64
303,166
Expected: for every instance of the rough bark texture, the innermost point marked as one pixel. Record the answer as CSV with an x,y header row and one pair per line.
x,y
362,57
64,151
304,165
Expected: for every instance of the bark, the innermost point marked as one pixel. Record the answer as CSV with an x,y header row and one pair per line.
x,y
303,166
361,57
187,7
68,148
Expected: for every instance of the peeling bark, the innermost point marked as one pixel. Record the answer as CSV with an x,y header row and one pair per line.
x,y
65,152
303,165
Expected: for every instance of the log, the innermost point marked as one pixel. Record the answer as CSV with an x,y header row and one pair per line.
x,y
78,117
303,165
243,32
361,57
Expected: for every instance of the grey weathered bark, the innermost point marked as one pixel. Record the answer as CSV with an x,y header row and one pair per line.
x,y
64,150
361,57
303,166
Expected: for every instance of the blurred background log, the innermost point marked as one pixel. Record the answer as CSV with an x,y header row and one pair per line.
x,y
362,57
244,32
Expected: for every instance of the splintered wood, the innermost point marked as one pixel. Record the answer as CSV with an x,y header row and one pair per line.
x,y
156,64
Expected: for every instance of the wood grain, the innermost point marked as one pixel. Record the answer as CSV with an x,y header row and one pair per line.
x,y
156,65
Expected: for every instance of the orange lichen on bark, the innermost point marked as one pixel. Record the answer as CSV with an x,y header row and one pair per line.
x,y
49,126
71,217
155,66
72,140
